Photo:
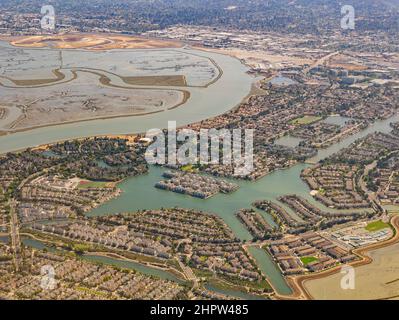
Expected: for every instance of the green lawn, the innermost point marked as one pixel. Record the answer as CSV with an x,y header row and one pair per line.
x,y
376,226
93,184
307,260
306,120
187,168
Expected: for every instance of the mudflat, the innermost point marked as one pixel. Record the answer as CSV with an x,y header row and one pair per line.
x,y
90,42
377,280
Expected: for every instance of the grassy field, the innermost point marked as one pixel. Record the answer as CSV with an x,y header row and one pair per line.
x,y
376,226
306,120
307,260
94,184
189,168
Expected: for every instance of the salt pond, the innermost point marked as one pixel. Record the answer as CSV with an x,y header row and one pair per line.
x,y
203,103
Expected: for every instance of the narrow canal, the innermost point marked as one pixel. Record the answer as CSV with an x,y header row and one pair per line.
x,y
131,265
270,269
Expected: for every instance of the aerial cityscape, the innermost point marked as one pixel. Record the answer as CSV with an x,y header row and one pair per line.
x,y
199,150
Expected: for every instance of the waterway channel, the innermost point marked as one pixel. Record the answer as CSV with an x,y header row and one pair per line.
x,y
204,103
139,192
131,265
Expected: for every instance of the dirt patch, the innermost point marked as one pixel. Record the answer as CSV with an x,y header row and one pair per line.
x,y
176,81
37,82
90,42
377,259
348,66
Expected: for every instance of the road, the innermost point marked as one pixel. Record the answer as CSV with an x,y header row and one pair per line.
x,y
320,61
190,276
14,233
